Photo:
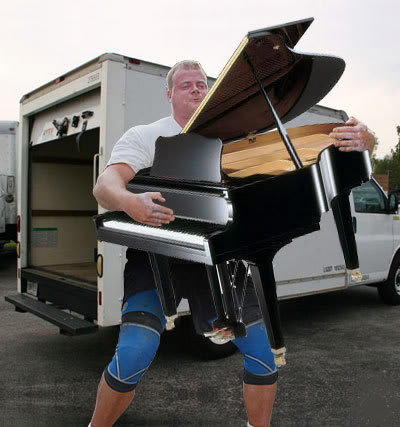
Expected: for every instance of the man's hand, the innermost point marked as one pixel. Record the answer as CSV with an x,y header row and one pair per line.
x,y
142,209
111,193
356,135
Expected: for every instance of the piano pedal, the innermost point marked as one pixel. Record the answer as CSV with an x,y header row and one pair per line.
x,y
220,336
279,356
170,322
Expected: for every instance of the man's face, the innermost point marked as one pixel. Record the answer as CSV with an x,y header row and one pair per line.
x,y
189,87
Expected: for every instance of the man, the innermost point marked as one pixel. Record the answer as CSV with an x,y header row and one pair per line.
x,y
142,317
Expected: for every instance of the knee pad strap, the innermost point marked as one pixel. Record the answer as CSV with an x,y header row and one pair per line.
x,y
143,319
254,379
116,384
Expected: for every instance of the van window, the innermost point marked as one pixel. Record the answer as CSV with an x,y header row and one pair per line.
x,y
368,198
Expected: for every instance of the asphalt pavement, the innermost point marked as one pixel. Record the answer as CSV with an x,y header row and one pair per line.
x,y
342,369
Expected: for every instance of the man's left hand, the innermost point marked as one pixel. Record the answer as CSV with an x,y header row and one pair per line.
x,y
356,136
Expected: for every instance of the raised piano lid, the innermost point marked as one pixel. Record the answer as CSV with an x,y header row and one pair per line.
x,y
234,107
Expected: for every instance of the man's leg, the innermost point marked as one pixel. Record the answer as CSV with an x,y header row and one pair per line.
x,y
258,401
260,374
110,405
142,323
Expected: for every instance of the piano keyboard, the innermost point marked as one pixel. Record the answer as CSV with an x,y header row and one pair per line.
x,y
186,236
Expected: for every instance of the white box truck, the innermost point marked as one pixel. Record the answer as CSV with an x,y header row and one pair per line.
x,y
68,129
8,205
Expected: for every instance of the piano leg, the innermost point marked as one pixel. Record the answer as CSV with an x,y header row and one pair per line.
x,y
162,278
262,273
344,224
221,320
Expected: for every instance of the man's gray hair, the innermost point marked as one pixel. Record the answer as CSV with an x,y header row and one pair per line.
x,y
187,64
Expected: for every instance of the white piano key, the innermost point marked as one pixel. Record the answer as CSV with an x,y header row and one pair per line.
x,y
158,233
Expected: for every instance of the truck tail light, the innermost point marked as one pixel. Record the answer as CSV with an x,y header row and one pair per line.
x,y
100,298
18,223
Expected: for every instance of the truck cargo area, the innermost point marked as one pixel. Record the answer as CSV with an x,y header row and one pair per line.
x,y
61,272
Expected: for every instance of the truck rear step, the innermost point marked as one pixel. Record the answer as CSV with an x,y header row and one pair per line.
x,y
67,323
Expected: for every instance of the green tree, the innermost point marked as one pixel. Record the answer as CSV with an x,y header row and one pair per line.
x,y
396,151
390,164
373,157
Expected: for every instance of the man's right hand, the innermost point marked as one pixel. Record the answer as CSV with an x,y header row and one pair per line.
x,y
142,208
111,193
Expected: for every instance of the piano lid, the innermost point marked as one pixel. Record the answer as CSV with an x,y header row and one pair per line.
x,y
294,82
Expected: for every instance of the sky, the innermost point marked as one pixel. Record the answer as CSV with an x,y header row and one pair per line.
x,y
41,40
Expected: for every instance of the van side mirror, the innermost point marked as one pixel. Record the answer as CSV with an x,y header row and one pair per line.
x,y
393,203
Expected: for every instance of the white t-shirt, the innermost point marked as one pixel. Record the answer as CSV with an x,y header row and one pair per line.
x,y
136,147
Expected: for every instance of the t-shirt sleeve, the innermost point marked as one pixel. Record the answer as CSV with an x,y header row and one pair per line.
x,y
131,150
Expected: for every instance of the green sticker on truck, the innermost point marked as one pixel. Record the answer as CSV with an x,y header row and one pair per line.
x,y
44,237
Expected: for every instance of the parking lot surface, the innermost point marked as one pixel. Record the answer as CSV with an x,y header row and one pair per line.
x,y
342,369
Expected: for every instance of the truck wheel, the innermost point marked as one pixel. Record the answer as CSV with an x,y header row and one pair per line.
x,y
389,291
201,346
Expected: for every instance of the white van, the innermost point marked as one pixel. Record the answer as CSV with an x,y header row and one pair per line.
x,y
314,263
68,129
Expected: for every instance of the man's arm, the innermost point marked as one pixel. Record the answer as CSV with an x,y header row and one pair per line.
x,y
357,136
111,193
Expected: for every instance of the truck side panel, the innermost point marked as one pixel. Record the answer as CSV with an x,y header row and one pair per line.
x,y
146,99
312,263
113,105
129,97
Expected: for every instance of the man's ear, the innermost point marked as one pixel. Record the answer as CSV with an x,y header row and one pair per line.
x,y
169,95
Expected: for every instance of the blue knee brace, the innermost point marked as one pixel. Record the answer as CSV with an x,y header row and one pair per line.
x,y
259,364
143,322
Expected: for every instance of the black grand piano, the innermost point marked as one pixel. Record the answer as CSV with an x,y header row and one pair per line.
x,y
240,193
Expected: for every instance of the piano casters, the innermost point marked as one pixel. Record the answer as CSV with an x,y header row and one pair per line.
x,y
262,273
162,278
344,224
228,325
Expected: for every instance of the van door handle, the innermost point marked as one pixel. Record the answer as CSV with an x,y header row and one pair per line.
x,y
354,224
95,168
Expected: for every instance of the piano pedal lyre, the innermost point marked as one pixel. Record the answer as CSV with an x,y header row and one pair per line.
x,y
227,325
